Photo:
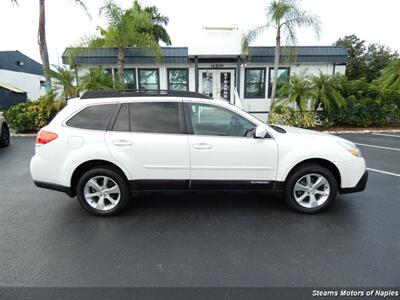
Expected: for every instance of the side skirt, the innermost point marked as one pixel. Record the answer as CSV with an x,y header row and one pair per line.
x,y
205,185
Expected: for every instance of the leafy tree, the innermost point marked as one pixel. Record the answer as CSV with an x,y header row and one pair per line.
x,y
365,61
64,79
99,79
285,16
377,58
356,65
133,27
390,77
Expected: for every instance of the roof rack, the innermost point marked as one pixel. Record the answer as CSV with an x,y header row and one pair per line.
x,y
140,93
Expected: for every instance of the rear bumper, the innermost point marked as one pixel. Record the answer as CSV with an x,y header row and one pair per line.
x,y
54,187
362,183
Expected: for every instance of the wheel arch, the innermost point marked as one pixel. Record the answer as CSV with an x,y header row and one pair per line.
x,y
83,167
318,161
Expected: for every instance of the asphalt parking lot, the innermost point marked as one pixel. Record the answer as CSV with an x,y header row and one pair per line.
x,y
223,239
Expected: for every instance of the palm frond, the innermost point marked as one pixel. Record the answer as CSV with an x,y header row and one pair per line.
x,y
82,5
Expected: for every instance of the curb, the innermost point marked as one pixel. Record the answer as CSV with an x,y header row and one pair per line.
x,y
23,134
362,131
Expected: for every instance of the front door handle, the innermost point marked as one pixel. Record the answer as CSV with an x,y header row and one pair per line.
x,y
202,146
122,143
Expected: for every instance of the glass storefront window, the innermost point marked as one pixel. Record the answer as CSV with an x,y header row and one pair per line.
x,y
149,79
129,77
283,75
178,79
254,83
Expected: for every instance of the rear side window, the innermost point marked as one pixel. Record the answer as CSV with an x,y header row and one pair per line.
x,y
94,117
155,117
122,121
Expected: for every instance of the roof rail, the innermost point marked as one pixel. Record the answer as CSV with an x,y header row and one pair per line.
x,y
141,93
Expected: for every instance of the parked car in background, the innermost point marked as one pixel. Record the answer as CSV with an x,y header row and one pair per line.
x,y
4,132
106,145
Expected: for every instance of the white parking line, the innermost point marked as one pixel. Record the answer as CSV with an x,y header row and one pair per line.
x,y
383,172
385,134
375,146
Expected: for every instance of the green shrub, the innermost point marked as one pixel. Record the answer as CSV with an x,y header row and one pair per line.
x,y
285,115
367,105
23,117
30,116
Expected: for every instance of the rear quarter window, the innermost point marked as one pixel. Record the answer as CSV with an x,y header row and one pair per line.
x,y
96,117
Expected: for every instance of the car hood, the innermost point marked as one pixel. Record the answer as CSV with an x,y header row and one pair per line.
x,y
290,129
307,133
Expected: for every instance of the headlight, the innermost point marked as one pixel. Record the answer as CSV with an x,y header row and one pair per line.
x,y
350,147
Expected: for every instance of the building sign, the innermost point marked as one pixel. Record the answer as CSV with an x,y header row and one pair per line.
x,y
217,66
225,86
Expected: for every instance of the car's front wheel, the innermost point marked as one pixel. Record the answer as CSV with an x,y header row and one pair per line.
x,y
310,188
4,136
103,191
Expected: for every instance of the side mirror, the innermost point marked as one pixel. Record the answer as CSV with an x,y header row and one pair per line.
x,y
260,132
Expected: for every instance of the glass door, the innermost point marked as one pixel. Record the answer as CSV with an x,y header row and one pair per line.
x,y
217,84
207,83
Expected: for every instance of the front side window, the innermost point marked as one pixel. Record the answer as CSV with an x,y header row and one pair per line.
x,y
178,79
155,117
283,75
149,79
94,117
254,83
214,120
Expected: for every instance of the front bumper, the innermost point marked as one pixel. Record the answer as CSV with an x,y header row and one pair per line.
x,y
362,183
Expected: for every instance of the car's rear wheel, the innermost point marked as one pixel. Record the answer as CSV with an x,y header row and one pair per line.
x,y
4,136
310,188
103,191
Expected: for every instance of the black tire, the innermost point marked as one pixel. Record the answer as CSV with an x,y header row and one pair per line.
x,y
4,136
115,176
296,175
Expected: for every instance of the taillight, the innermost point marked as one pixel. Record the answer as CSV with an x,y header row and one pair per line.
x,y
44,137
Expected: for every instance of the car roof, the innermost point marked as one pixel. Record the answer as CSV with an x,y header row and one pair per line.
x,y
119,93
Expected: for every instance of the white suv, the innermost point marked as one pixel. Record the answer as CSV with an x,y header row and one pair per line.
x,y
106,145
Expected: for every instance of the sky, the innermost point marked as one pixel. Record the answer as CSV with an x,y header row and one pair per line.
x,y
376,21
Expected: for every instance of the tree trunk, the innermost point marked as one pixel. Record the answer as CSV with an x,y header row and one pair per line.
x,y
276,64
121,62
44,54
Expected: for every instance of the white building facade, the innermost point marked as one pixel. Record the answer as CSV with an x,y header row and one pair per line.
x,y
215,65
22,72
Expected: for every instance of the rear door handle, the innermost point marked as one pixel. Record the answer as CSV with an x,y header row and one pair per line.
x,y
202,146
122,143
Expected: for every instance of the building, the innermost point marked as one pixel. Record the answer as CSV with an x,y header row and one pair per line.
x,y
10,95
22,73
214,65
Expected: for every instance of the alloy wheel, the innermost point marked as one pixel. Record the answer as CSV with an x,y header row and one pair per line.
x,y
311,190
102,193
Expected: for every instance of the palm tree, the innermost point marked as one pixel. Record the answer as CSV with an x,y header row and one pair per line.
x,y
158,30
98,79
64,78
285,16
390,77
133,27
44,54
327,91
298,89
